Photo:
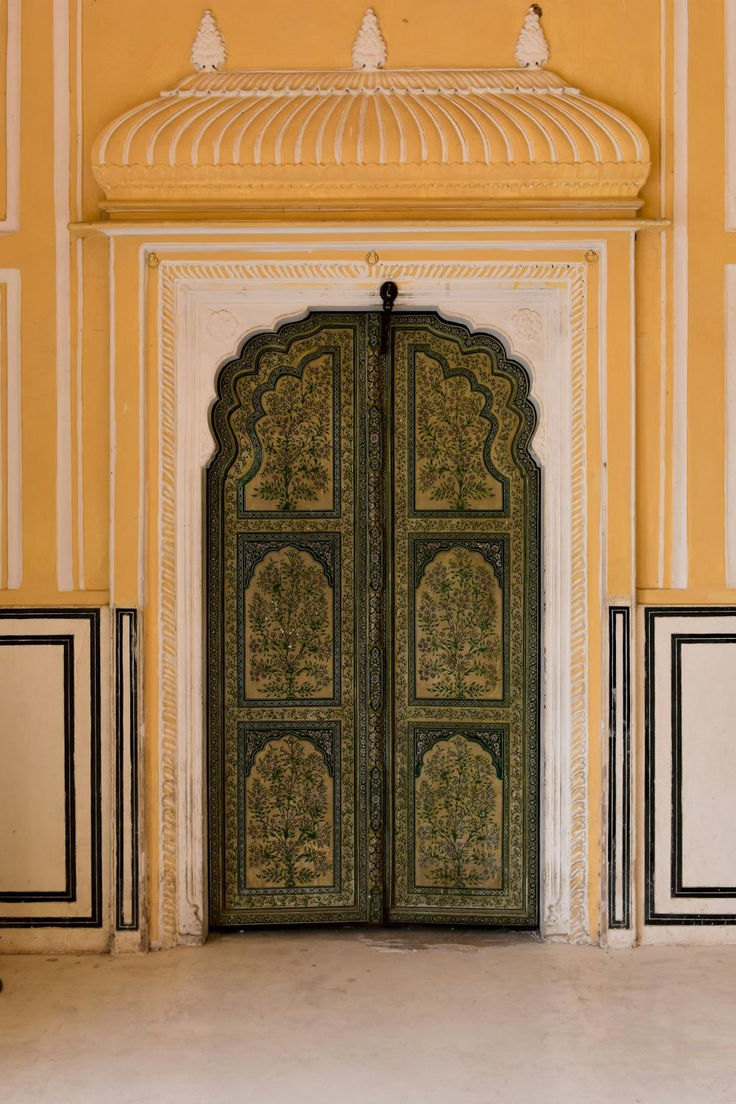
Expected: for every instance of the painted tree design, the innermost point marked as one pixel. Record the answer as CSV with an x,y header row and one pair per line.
x,y
295,432
290,641
457,619
451,437
457,837
289,829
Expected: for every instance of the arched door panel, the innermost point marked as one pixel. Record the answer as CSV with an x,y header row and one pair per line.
x,y
373,566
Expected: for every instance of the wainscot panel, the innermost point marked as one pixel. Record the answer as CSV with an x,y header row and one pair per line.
x,y
690,814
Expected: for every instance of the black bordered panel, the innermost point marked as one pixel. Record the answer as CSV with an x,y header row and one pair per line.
x,y
93,918
651,914
619,767
127,905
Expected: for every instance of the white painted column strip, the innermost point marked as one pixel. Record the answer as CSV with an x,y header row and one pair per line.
x,y
80,415
11,221
112,365
663,166
14,565
64,556
663,345
730,428
680,296
730,36
79,214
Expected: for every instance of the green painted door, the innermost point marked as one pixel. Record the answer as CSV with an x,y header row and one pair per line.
x,y
373,628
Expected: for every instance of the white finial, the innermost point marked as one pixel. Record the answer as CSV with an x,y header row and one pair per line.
x,y
369,49
532,50
208,48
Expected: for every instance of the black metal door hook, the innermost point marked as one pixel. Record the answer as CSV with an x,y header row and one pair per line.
x,y
388,293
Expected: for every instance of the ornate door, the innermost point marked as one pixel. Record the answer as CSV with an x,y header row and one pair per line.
x,y
373,627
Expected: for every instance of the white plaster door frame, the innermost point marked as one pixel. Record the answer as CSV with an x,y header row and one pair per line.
x,y
207,308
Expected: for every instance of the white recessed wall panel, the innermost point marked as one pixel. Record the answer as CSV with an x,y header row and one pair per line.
x,y
34,779
690,812
52,784
707,679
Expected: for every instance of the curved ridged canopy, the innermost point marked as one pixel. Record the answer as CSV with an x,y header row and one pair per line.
x,y
359,139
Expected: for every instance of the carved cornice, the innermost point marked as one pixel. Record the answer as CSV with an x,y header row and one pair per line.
x,y
445,141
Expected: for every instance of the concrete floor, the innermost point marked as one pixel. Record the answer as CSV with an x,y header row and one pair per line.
x,y
364,1017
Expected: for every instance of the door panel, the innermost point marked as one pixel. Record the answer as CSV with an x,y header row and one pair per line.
x,y
373,627
465,596
287,739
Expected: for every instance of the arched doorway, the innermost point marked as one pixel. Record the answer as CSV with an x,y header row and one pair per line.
x,y
373,627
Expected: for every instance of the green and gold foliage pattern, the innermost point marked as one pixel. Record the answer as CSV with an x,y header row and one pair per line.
x,y
289,830
289,643
451,434
458,838
295,437
458,627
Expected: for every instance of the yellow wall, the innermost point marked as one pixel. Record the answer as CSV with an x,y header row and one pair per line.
x,y
623,53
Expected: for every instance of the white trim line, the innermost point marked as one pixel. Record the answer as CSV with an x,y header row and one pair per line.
x,y
11,222
680,324
80,414
632,416
14,535
142,411
662,408
64,521
663,154
730,427
113,419
663,150
79,106
730,92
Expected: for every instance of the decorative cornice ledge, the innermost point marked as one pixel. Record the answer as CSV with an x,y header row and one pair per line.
x,y
369,142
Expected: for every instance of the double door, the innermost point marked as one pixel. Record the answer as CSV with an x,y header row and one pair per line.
x,y
373,627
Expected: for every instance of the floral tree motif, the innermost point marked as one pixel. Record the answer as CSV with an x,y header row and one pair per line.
x,y
457,619
289,829
295,430
457,834
451,436
290,643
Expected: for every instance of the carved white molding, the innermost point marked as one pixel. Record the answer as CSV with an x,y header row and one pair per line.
x,y
263,295
208,49
532,50
369,48
526,325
